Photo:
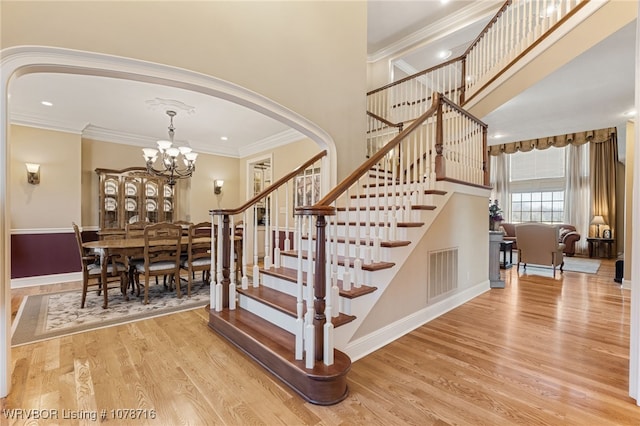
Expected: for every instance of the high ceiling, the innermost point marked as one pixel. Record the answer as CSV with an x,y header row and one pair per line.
x,y
593,91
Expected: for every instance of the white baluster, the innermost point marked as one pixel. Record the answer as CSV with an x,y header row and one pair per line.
x,y
245,224
276,250
232,263
299,296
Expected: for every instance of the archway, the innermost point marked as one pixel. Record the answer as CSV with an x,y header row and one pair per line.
x,y
17,61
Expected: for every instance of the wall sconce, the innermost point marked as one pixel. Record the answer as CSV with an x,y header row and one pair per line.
x,y
217,186
33,173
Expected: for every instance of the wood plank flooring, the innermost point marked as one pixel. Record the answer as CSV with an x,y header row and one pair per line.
x,y
541,351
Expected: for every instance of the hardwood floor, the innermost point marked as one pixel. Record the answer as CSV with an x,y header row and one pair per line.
x,y
541,351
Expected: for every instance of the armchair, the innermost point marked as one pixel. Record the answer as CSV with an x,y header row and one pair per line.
x,y
538,244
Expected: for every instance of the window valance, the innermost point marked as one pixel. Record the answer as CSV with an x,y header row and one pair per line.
x,y
595,136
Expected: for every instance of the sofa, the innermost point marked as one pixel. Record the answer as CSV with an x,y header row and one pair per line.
x,y
567,236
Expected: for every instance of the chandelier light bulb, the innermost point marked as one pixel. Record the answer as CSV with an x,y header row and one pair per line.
x,y
169,155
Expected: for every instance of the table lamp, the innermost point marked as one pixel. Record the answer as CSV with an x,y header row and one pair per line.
x,y
597,221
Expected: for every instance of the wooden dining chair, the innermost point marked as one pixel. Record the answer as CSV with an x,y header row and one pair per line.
x,y
92,272
198,254
161,255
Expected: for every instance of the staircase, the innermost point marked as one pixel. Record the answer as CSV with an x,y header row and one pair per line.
x,y
325,285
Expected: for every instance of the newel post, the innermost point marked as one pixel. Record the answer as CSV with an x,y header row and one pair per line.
x,y
226,267
439,161
485,157
320,275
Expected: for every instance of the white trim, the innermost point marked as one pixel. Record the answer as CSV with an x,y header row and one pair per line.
x,y
46,123
33,231
365,345
464,17
626,284
271,142
46,280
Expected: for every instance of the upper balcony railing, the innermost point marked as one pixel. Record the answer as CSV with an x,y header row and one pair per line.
x,y
516,28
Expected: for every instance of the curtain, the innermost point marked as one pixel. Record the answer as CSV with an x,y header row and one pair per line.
x,y
577,201
499,182
559,141
603,159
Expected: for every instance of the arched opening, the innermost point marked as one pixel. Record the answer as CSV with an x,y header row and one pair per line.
x,y
19,61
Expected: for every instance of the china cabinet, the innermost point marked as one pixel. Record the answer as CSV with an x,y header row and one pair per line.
x,y
133,195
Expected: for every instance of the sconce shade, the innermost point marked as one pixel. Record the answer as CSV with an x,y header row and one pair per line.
x,y
217,186
33,173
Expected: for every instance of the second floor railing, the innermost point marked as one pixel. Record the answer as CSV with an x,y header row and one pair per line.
x,y
516,28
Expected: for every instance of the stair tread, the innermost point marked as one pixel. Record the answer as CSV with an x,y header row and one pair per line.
x,y
395,243
363,209
399,224
286,303
365,266
400,193
291,275
277,340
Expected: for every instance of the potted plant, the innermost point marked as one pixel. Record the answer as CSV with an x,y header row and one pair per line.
x,y
495,215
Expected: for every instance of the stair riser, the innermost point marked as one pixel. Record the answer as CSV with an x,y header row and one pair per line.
x,y
268,313
292,262
401,214
352,249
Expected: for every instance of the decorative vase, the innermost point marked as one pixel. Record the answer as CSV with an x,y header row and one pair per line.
x,y
494,225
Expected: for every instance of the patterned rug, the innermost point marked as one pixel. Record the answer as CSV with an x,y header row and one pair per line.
x,y
47,316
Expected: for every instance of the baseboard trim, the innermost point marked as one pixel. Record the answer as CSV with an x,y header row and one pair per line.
x,y
45,279
626,284
374,341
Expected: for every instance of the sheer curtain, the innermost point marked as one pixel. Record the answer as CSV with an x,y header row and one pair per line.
x,y
577,200
499,182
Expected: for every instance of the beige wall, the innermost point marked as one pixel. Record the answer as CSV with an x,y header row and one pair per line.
x,y
628,201
54,203
308,56
453,227
201,196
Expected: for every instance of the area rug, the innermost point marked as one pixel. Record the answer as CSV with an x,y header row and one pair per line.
x,y
47,316
574,264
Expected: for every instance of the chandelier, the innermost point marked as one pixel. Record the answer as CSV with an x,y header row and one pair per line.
x,y
170,157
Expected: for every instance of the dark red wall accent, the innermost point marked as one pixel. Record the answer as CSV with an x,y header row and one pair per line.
x,y
44,254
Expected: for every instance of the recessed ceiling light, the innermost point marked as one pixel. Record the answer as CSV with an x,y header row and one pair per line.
x,y
630,113
497,136
224,138
444,54
444,1
46,103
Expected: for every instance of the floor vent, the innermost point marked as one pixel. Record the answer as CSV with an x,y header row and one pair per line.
x,y
443,272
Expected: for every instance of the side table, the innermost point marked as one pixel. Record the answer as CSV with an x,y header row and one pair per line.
x,y
506,247
596,243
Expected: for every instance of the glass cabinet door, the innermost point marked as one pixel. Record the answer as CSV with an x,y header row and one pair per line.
x,y
132,199
151,200
168,203
110,192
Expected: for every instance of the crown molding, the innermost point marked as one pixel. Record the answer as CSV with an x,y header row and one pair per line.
x,y
441,28
274,141
46,124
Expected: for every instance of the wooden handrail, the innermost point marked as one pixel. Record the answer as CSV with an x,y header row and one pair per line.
x,y
270,188
418,74
384,120
462,111
372,161
487,27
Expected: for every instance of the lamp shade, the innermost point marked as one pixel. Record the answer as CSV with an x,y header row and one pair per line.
x,y
598,220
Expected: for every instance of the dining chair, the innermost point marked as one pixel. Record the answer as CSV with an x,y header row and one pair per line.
x,y
92,272
161,255
198,254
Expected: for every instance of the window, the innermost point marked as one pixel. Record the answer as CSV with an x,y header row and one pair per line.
x,y
539,206
537,182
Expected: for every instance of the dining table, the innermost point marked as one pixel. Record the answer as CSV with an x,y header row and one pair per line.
x,y
134,247
129,248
